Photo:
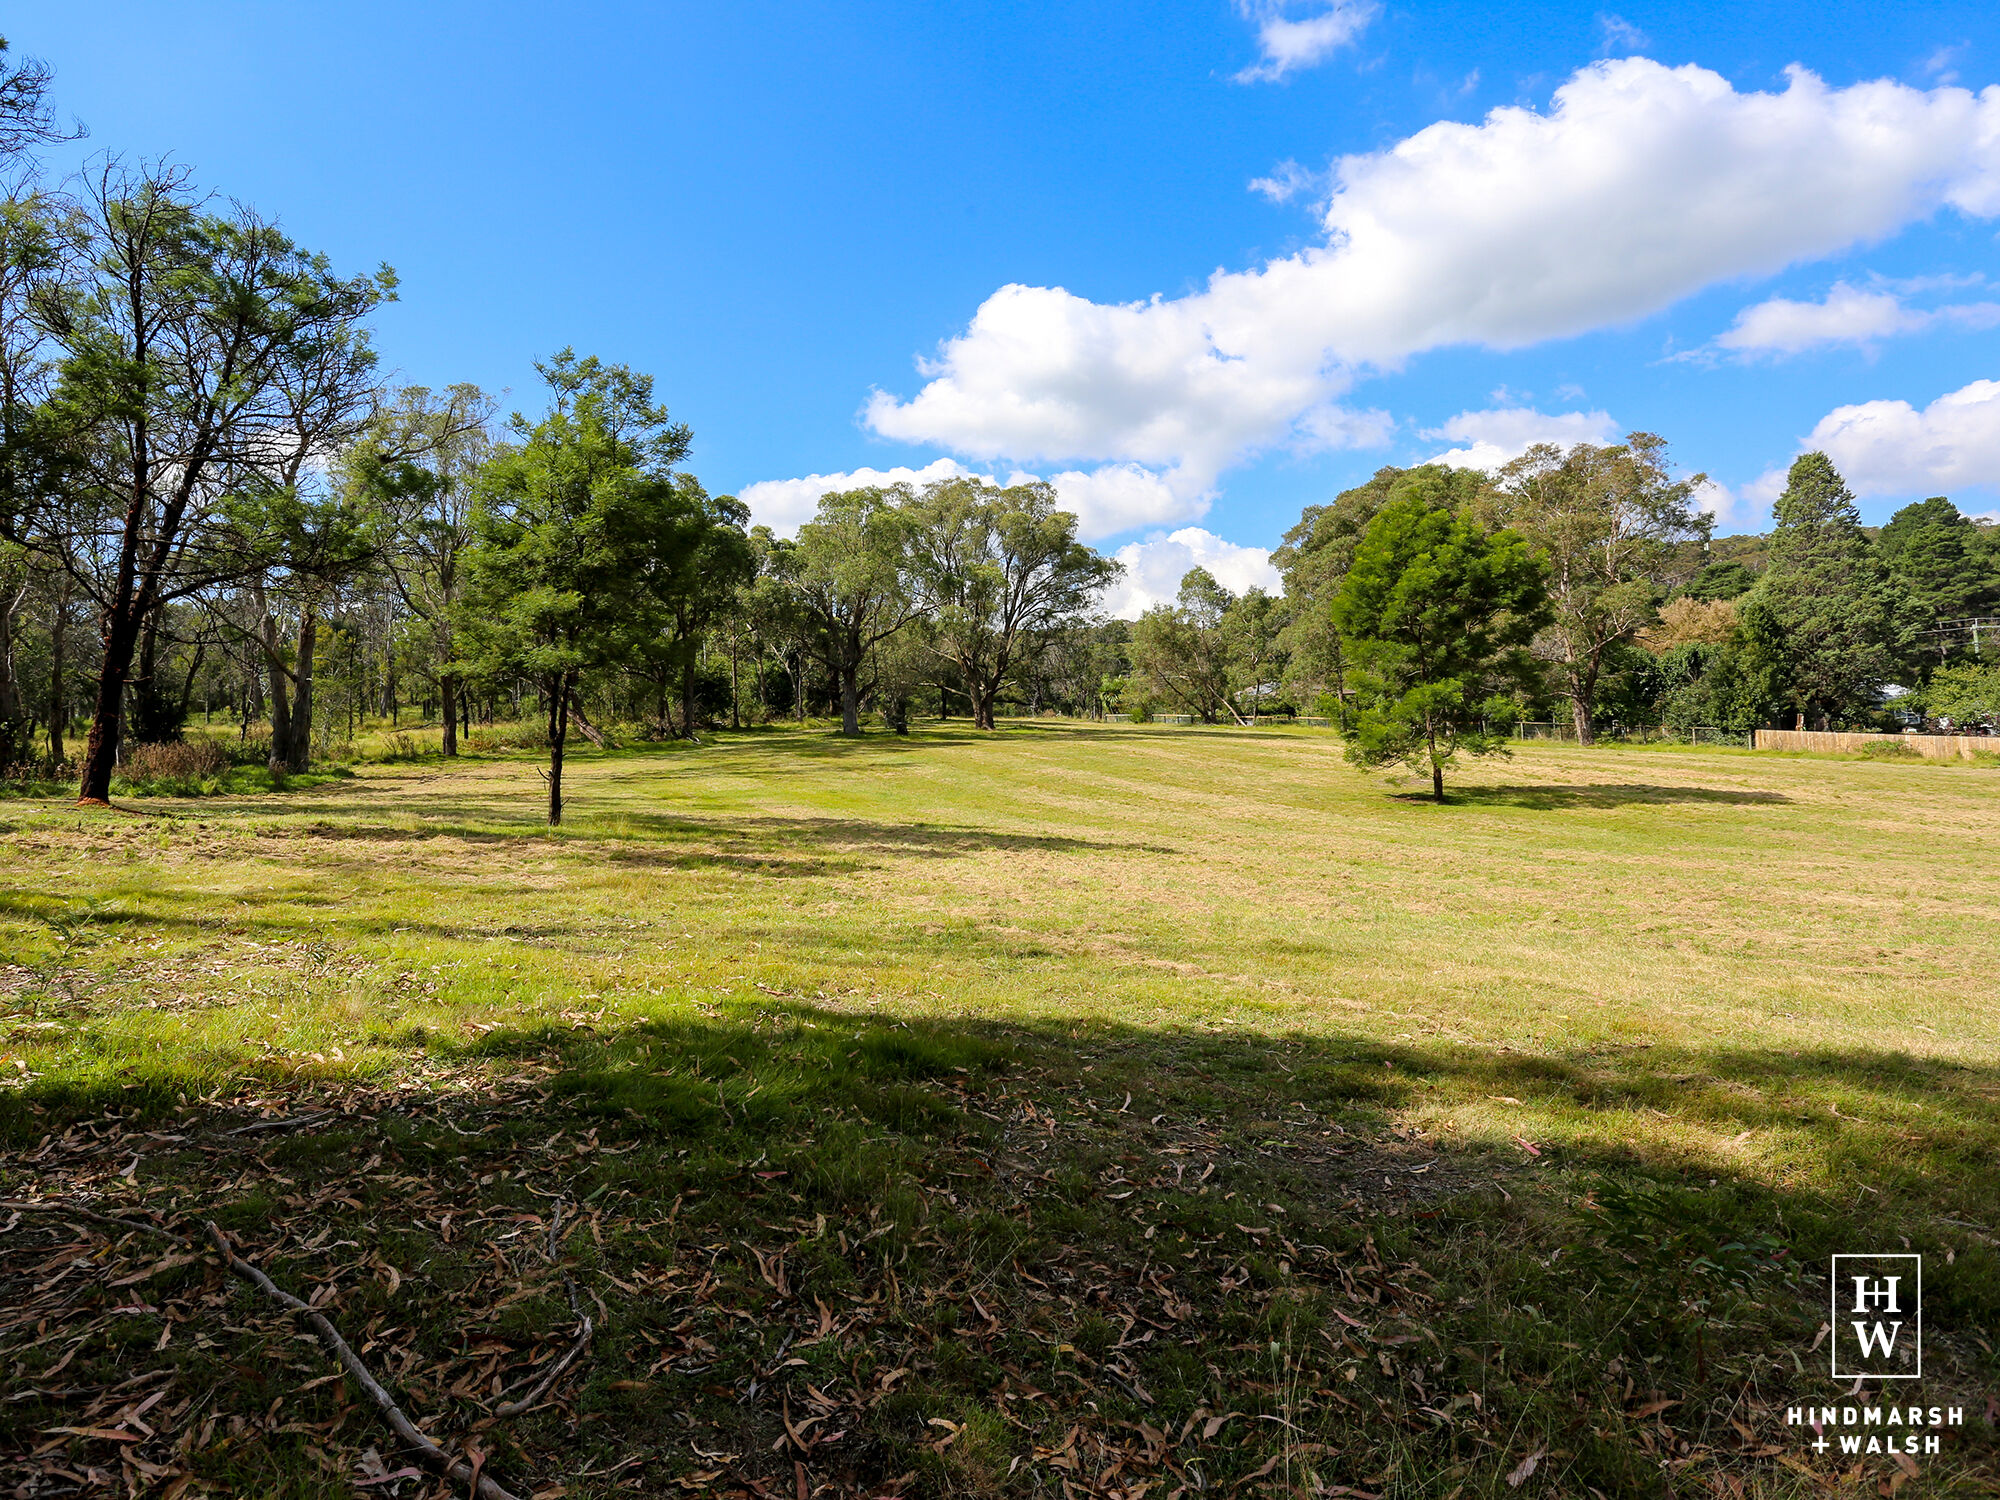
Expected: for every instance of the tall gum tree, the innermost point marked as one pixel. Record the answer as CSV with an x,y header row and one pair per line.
x,y
413,470
190,350
1002,569
850,578
1611,523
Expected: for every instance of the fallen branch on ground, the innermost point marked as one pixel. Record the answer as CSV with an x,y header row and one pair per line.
x,y
428,1453
283,1122
576,1348
72,1211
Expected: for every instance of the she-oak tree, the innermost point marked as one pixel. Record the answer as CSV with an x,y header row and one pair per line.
x,y
582,534
1436,616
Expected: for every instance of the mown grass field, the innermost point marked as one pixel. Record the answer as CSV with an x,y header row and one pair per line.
x,y
1070,1110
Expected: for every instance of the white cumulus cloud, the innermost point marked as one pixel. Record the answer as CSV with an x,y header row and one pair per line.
x,y
1890,448
1154,568
1847,315
1288,44
1460,234
1488,439
786,504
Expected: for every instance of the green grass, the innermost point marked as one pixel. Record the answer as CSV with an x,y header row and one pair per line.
x,y
1104,1080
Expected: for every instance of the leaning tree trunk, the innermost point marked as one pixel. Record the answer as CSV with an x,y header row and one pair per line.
x,y
1580,713
279,758
16,734
107,724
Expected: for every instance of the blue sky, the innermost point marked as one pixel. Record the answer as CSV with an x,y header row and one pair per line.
x,y
778,209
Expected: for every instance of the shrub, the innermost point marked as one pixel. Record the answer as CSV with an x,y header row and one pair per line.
x,y
404,747
183,767
491,737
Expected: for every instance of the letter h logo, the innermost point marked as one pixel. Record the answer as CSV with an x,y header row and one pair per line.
x,y
1877,1317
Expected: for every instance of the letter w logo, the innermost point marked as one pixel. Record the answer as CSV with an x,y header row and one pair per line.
x,y
1870,1338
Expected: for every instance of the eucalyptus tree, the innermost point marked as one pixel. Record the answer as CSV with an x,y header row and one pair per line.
x,y
852,584
705,593
1611,524
211,356
1000,569
774,611
413,469
1180,652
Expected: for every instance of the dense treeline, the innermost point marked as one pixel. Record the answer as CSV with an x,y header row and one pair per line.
x,y
211,504
1642,618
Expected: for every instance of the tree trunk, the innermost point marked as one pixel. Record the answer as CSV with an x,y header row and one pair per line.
x,y
558,733
279,758
850,698
298,748
982,696
1586,727
11,730
448,712
687,693
121,633
58,700
107,723
188,682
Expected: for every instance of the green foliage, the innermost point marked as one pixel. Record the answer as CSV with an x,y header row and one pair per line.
x,y
1436,615
1000,570
1613,527
1963,695
1817,630
1727,579
1941,569
847,586
1180,655
582,534
1314,559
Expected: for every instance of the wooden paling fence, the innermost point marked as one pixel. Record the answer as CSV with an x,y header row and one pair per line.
x,y
1935,746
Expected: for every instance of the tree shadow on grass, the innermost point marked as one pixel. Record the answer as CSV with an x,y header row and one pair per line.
x,y
1635,794
1020,1209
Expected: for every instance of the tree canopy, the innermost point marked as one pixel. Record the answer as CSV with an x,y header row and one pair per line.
x,y
1437,615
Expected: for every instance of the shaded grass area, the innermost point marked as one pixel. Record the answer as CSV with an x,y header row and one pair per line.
x,y
1102,1082
934,1258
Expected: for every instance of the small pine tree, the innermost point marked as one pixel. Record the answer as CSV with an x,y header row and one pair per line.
x,y
1436,616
